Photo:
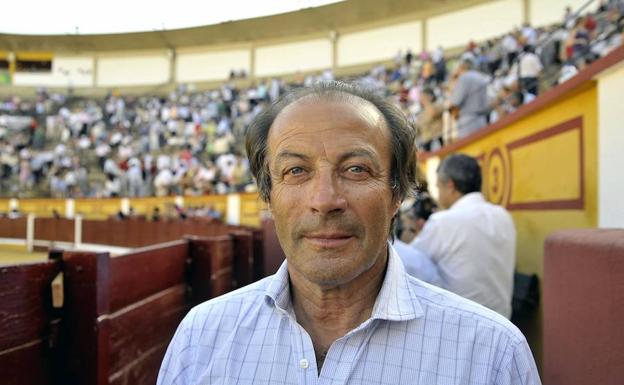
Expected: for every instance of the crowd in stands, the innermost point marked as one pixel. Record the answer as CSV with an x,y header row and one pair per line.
x,y
191,142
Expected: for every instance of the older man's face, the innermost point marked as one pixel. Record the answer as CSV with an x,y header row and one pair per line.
x,y
330,197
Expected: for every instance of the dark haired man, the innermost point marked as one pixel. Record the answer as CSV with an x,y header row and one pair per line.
x,y
334,162
473,243
412,220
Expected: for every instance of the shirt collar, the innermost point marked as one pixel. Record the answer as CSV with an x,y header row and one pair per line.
x,y
278,290
396,300
468,200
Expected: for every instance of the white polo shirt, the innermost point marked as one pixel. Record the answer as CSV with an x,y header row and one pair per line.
x,y
474,246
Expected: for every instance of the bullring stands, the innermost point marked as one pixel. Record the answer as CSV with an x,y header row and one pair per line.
x,y
190,141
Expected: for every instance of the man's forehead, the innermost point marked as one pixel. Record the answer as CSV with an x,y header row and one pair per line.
x,y
321,110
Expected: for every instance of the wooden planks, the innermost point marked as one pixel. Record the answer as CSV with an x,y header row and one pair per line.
x,y
140,332
210,272
145,272
242,258
119,313
26,316
84,328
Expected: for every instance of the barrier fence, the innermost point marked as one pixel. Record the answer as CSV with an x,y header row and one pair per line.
x,y
89,318
129,232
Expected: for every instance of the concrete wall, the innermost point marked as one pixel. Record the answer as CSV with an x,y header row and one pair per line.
x,y
210,65
610,145
75,71
136,70
289,58
356,45
379,43
475,23
543,12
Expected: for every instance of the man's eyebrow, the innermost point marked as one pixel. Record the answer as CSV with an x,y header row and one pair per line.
x,y
359,153
283,155
363,153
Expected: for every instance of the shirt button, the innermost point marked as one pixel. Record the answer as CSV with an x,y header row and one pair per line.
x,y
303,363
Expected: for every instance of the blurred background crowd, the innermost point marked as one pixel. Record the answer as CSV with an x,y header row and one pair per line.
x,y
191,142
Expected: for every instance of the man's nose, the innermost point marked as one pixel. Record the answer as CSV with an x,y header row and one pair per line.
x,y
327,196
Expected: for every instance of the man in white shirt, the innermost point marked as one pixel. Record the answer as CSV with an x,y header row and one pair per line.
x,y
473,243
530,69
333,163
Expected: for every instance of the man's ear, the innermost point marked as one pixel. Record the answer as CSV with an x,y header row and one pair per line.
x,y
450,185
397,206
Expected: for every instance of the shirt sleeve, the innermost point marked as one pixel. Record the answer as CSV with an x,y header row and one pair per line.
x,y
519,367
177,361
458,95
538,64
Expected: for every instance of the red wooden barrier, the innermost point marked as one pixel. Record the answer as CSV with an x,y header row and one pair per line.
x,y
210,272
16,228
121,312
85,327
258,250
13,228
147,301
132,232
273,253
54,229
243,258
146,271
27,323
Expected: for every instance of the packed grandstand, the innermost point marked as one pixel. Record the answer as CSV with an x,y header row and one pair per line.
x,y
190,142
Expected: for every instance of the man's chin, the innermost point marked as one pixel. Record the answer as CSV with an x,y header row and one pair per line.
x,y
328,272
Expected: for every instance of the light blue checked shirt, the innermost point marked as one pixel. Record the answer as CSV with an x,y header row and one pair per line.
x,y
417,334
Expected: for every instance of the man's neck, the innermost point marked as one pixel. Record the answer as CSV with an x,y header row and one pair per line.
x,y
328,313
455,196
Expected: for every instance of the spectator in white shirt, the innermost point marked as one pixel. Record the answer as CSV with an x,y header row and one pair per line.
x,y
135,178
473,243
162,182
530,69
510,48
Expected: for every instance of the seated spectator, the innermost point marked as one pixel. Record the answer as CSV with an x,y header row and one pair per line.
x,y
429,122
14,214
472,242
417,264
411,221
580,39
568,71
156,214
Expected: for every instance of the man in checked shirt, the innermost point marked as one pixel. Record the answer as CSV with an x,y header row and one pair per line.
x,y
334,162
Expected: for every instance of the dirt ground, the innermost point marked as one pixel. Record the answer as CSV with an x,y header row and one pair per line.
x,y
13,254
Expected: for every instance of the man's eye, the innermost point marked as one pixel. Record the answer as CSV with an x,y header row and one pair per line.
x,y
356,169
295,171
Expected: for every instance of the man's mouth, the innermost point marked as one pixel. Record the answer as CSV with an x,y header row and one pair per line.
x,y
326,240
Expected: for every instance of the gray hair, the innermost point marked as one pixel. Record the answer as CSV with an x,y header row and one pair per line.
x,y
463,170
